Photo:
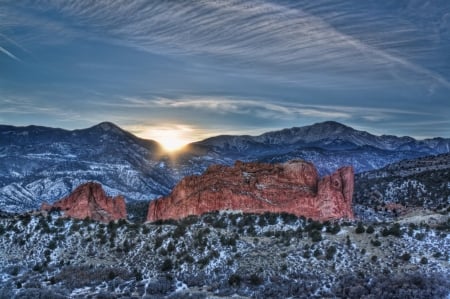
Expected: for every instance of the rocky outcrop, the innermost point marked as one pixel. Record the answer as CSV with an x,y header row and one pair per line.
x,y
293,187
90,201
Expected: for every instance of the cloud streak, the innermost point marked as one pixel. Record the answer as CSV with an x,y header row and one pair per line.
x,y
261,34
9,54
265,109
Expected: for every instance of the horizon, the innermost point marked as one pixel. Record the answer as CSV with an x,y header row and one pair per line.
x,y
173,144
226,68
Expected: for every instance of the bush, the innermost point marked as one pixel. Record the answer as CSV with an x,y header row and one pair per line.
x,y
331,250
360,228
315,235
424,261
234,280
137,275
52,245
394,230
317,252
375,243
405,256
370,229
167,265
111,275
255,279
396,285
333,229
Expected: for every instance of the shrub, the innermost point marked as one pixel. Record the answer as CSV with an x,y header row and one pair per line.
x,y
370,229
234,280
111,275
405,256
348,241
167,265
424,261
360,228
179,231
317,252
255,279
315,235
331,250
333,229
375,243
419,236
137,275
52,244
170,247
395,230
314,225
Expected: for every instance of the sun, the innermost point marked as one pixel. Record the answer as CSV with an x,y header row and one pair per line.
x,y
171,142
172,139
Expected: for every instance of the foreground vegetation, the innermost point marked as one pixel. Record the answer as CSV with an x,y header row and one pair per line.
x,y
224,254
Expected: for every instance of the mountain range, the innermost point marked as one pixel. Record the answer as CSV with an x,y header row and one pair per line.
x,y
40,164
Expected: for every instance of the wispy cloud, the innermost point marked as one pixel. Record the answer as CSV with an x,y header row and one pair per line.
x,y
264,108
9,54
14,105
291,39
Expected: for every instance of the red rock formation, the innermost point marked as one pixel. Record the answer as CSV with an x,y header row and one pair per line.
x,y
292,187
90,201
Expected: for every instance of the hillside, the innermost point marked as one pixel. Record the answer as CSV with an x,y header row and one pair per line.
x,y
223,255
422,182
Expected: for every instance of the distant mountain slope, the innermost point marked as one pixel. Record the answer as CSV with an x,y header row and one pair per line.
x,y
423,182
329,145
44,164
328,135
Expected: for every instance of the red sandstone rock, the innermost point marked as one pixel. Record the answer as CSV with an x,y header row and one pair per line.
x,y
90,201
293,187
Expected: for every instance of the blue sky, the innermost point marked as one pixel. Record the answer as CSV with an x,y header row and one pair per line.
x,y
204,68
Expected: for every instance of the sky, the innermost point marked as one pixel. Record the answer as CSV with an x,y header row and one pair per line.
x,y
194,69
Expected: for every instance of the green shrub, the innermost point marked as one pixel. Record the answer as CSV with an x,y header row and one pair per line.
x,y
405,256
167,265
360,228
375,243
255,279
331,250
234,280
315,236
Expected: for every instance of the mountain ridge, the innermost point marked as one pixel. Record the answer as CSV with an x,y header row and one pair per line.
x,y
44,164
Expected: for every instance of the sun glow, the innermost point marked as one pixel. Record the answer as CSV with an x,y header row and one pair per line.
x,y
171,138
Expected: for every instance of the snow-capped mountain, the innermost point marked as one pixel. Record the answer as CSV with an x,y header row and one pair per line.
x,y
44,164
328,135
329,145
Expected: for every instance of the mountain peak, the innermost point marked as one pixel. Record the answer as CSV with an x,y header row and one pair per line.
x,y
107,126
331,124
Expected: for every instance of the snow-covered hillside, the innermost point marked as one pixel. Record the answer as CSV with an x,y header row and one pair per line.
x,y
221,256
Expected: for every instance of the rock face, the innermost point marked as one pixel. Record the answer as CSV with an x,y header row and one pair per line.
x,y
292,187
90,201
